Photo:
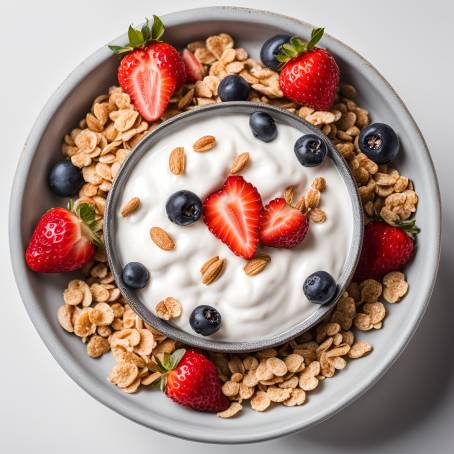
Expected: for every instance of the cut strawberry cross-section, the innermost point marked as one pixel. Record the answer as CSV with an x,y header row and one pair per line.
x,y
233,215
282,226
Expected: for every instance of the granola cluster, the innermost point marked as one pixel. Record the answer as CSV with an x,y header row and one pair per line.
x,y
94,308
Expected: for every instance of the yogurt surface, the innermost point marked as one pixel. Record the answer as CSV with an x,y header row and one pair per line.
x,y
252,307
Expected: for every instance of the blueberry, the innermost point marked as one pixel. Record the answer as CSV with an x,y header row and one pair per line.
x,y
205,320
263,126
135,275
320,287
271,48
184,207
65,179
379,142
233,88
310,150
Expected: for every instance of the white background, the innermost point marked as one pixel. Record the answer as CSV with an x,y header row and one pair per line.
x,y
411,410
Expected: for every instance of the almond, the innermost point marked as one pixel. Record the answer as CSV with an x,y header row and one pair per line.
x,y
319,183
317,215
177,161
205,143
162,239
301,204
211,270
312,198
256,265
239,163
130,207
289,193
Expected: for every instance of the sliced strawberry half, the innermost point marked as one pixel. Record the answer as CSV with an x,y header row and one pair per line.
x,y
282,226
149,86
150,70
194,69
233,215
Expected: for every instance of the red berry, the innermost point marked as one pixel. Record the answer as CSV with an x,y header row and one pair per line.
x,y
151,76
151,71
194,383
61,241
233,215
194,69
385,249
310,75
282,226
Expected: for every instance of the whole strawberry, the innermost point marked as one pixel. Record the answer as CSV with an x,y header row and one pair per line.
x,y
150,70
190,379
310,75
63,240
385,249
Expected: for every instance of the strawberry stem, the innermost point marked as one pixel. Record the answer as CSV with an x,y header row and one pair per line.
x,y
296,46
409,226
139,38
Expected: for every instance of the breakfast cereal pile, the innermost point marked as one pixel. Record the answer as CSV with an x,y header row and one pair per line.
x,y
95,310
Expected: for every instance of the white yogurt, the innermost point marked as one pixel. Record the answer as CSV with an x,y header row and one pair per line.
x,y
251,307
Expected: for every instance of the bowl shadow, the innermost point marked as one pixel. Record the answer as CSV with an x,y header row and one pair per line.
x,y
410,392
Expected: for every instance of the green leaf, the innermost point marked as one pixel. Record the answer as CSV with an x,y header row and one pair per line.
x,y
282,58
176,356
289,50
135,37
119,50
298,44
158,28
146,31
157,383
316,36
166,361
71,205
86,212
159,365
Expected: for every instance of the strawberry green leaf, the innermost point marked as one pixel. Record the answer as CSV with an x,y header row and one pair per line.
x,y
146,31
298,44
166,361
159,367
289,50
282,58
135,37
157,383
316,36
86,212
158,28
176,357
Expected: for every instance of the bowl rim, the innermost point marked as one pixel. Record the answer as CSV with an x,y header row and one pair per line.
x,y
144,147
81,376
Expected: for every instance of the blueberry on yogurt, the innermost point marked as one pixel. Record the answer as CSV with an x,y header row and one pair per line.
x,y
184,207
320,287
310,150
263,126
135,275
205,320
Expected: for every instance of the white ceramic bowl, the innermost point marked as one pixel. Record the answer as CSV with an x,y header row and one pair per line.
x,y
43,294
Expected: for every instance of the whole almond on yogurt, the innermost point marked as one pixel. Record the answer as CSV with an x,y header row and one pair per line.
x,y
239,163
256,265
177,161
205,143
211,269
131,206
162,239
